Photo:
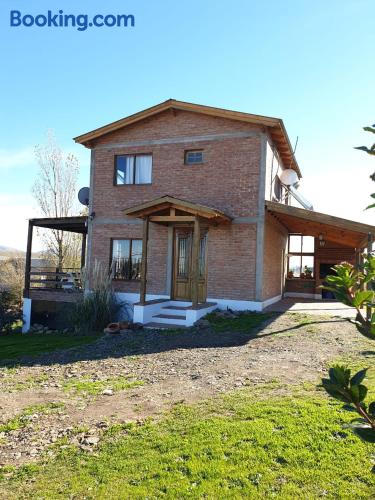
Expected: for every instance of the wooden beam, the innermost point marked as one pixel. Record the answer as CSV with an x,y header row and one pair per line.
x,y
172,218
195,263
28,259
165,202
142,298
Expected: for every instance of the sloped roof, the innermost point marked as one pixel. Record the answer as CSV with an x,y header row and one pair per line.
x,y
275,126
164,202
311,223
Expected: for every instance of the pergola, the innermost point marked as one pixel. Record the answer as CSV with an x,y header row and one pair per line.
x,y
169,210
76,224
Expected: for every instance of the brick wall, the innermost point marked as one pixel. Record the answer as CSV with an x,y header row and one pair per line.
x,y
231,261
157,253
227,180
275,241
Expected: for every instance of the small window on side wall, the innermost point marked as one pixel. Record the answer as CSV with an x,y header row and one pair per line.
x,y
126,259
133,169
193,157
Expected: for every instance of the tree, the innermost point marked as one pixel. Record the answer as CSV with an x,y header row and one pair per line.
x,y
55,192
356,288
370,151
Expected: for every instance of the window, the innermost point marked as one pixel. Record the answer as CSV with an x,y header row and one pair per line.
x,y
193,157
126,259
133,169
301,256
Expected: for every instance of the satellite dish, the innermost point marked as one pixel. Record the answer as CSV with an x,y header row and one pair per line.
x,y
84,196
289,177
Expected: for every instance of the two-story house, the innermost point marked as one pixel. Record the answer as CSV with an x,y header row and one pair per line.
x,y
187,208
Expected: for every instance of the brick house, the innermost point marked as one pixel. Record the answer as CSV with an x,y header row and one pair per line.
x,y
187,207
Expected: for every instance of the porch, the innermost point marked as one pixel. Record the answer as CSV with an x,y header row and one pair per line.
x,y
189,224
50,291
316,242
53,282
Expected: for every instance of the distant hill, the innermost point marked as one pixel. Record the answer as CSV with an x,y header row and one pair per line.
x,y
4,249
9,252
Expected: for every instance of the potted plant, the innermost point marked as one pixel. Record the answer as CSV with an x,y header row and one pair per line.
x,y
290,274
308,272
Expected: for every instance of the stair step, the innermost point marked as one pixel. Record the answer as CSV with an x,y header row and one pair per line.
x,y
176,308
170,316
163,326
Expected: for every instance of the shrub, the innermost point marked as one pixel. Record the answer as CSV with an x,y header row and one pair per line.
x,y
351,391
10,311
99,305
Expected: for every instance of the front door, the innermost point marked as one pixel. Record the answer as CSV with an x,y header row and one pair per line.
x,y
182,259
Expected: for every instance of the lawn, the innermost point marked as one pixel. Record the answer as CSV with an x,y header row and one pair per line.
x,y
244,322
17,345
242,445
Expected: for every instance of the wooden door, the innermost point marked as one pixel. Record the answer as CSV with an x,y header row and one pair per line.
x,y
182,272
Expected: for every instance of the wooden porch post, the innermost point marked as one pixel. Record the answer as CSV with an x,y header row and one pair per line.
x,y
369,250
26,292
195,263
83,250
142,298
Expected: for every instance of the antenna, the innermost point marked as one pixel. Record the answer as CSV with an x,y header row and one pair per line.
x,y
289,177
84,196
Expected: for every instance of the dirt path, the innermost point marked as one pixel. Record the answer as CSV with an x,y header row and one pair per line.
x,y
173,366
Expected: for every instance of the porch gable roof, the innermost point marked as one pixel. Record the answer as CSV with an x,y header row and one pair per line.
x,y
311,223
153,207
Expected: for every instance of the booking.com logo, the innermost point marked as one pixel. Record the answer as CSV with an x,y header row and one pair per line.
x,y
79,21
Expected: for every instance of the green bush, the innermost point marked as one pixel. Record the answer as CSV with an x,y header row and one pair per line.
x,y
99,305
350,390
10,311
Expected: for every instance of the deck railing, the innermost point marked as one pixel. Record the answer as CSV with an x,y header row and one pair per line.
x,y
51,278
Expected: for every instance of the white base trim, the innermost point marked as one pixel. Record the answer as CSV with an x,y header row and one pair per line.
x,y
26,313
297,295
272,300
144,314
237,305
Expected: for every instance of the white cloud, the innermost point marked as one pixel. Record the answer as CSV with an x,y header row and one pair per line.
x,y
20,158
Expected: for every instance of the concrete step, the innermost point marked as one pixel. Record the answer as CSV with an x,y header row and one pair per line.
x,y
175,308
169,318
163,326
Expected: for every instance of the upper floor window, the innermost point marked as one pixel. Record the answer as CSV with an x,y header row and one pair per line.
x,y
133,169
193,157
126,259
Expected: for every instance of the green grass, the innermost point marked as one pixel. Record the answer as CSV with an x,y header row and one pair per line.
x,y
18,345
20,421
87,386
243,323
236,446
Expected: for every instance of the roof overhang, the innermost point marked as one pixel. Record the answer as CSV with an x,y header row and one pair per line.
x,y
275,126
311,223
77,224
167,209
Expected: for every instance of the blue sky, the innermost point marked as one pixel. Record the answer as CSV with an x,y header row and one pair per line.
x,y
310,63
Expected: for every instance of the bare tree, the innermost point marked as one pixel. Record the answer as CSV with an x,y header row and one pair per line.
x,y
55,193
